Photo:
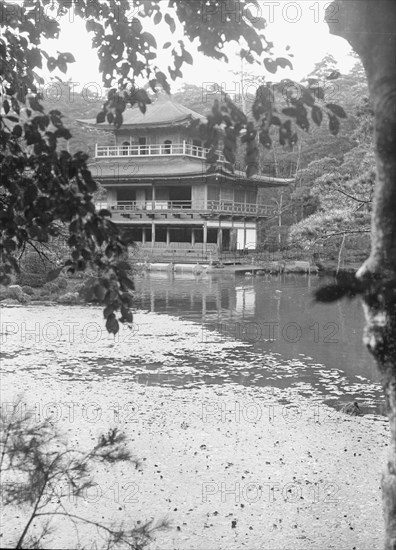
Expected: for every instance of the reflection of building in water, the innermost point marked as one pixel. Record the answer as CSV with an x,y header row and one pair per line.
x,y
275,315
188,293
245,301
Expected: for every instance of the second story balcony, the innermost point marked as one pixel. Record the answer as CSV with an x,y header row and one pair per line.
x,y
158,150
211,207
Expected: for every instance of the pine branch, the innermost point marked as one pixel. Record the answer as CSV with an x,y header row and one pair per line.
x,y
338,233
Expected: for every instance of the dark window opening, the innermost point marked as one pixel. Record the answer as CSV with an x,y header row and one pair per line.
x,y
198,232
213,193
142,145
212,236
124,148
180,195
132,235
160,234
180,234
225,239
196,143
168,146
126,194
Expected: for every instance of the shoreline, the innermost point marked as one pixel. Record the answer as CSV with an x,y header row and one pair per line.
x,y
69,292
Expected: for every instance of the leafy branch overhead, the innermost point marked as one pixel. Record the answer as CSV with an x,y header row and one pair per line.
x,y
230,122
45,187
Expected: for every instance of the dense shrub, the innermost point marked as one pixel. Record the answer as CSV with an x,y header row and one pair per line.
x,y
35,280
61,281
4,294
28,290
31,262
45,292
85,290
69,298
51,287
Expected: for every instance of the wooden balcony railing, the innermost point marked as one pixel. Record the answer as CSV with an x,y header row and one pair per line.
x,y
240,207
163,150
152,205
212,206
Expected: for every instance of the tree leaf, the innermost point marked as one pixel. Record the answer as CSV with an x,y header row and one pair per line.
x,y
270,65
157,18
333,292
283,62
275,121
100,291
112,324
289,111
334,124
17,131
317,115
104,213
187,57
62,65
251,169
30,194
52,64
265,139
307,98
171,22
67,57
337,110
53,274
162,80
333,75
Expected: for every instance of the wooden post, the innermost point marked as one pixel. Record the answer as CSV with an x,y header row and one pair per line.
x,y
219,239
167,236
143,235
192,237
152,300
152,234
205,236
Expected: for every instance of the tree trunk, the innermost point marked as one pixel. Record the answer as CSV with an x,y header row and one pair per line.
x,y
370,26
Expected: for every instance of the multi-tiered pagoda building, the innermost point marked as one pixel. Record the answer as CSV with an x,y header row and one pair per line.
x,y
161,188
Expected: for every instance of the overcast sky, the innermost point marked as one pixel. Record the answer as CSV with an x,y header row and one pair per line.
x,y
298,24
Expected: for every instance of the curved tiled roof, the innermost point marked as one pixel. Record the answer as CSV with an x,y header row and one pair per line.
x,y
163,112
131,170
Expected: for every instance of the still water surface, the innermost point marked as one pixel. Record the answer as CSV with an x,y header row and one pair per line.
x,y
190,331
289,340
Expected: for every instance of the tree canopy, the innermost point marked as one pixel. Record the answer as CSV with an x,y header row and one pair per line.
x,y
340,188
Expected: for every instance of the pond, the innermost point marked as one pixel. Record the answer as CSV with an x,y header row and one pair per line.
x,y
191,331
290,340
221,382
